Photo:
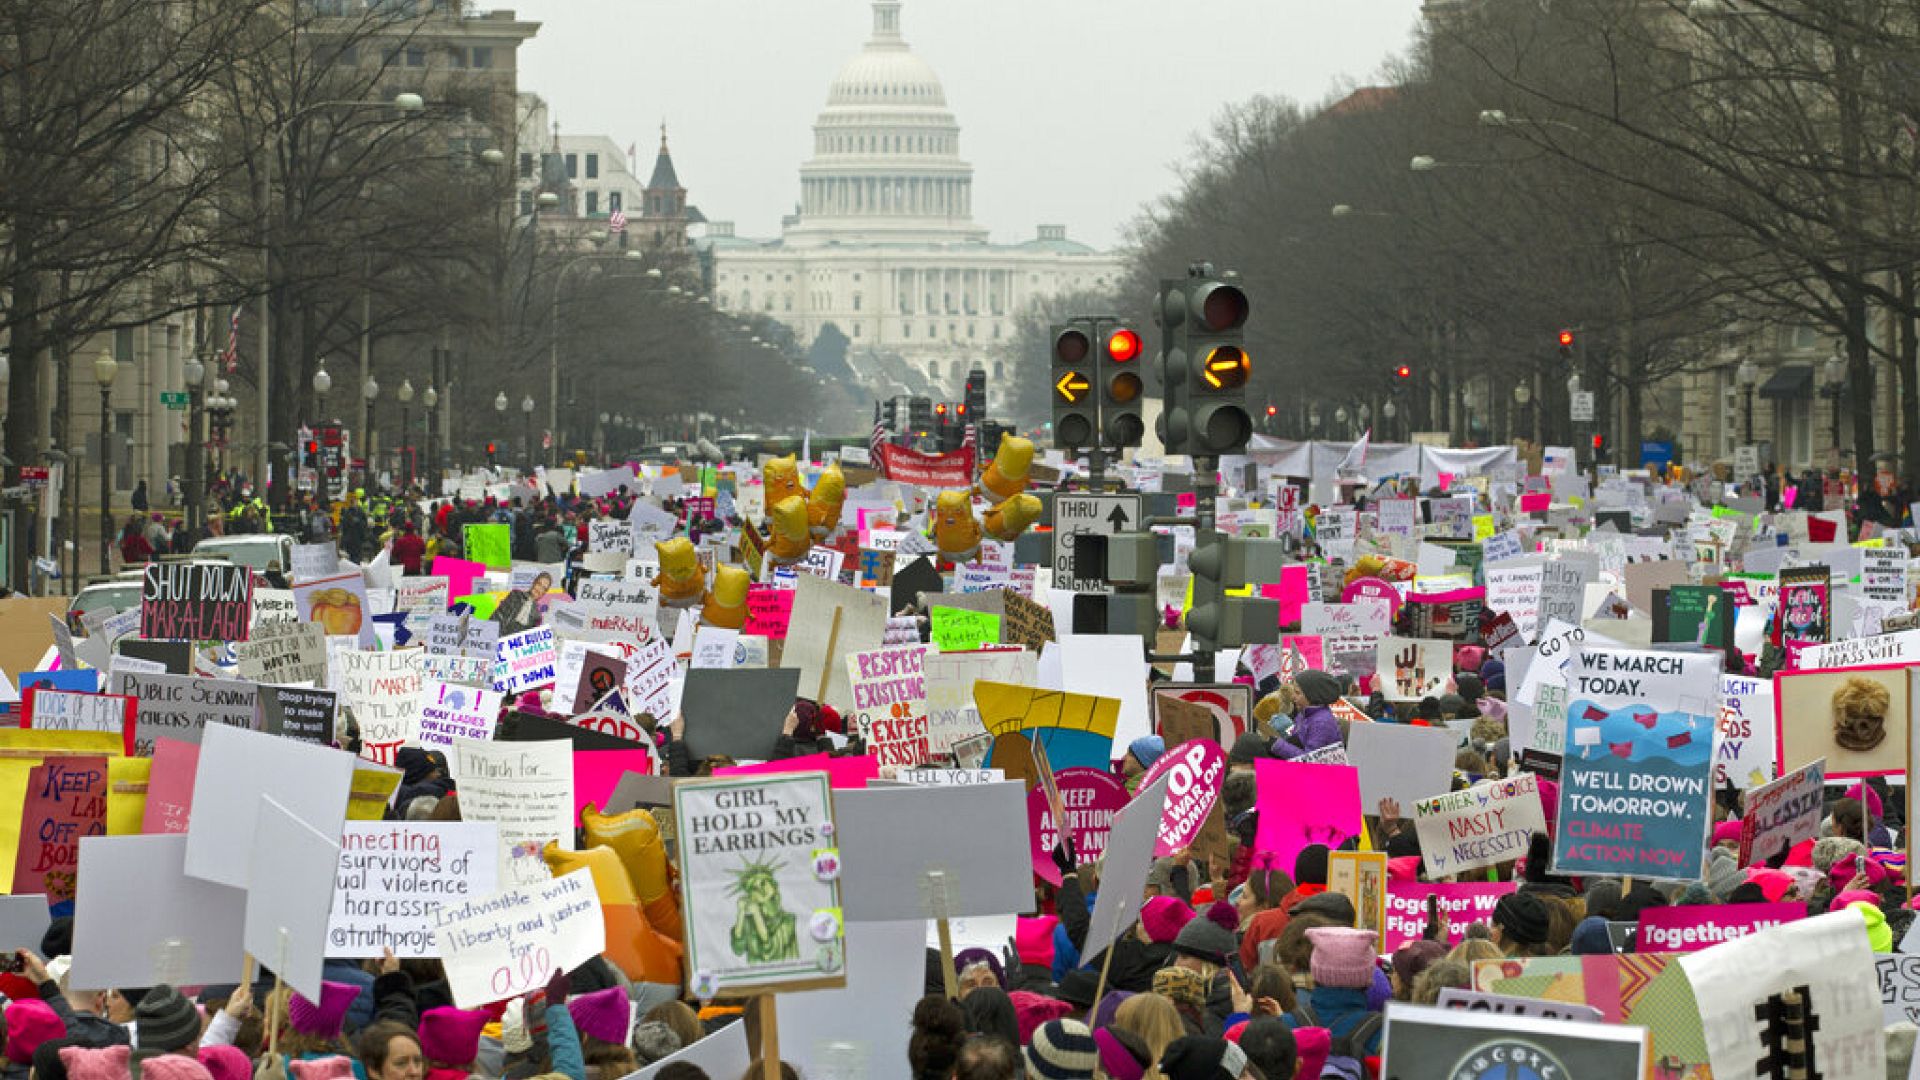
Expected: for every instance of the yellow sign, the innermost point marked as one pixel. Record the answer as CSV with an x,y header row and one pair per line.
x,y
1005,707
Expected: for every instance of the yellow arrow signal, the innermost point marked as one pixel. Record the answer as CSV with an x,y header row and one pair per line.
x,y
1226,366
1071,386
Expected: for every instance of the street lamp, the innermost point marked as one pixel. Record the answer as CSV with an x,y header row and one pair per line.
x,y
526,410
1387,411
1423,163
105,369
427,401
322,382
1833,378
194,373
405,394
369,390
1747,375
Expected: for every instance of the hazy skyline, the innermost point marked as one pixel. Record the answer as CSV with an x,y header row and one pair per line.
x,y
1081,136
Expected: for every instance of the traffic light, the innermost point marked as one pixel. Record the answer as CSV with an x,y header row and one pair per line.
x,y
1217,620
919,415
1204,367
492,451
1403,375
1566,345
1123,391
975,405
1070,372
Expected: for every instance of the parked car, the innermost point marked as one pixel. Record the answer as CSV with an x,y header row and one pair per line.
x,y
255,550
111,595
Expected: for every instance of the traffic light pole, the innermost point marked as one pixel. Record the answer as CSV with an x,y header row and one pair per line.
x,y
1206,489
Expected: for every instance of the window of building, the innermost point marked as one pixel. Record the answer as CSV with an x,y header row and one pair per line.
x,y
970,329
593,202
906,329
483,56
996,331
573,166
856,301
593,166
416,56
526,202
933,330
123,345
933,369
457,57
746,300
526,166
856,329
953,331
787,301
613,201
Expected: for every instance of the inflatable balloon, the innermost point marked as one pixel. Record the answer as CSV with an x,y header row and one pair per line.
x,y
781,478
1006,475
635,837
680,579
633,945
788,536
1011,518
726,605
823,505
955,532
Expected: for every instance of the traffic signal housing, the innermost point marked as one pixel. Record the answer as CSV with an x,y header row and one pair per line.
x,y
1070,371
1217,620
1566,345
1123,390
1403,375
1205,367
492,450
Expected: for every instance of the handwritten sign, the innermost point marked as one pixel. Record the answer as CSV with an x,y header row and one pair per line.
x,y
1782,813
380,689
524,788
959,630
196,601
525,660
769,610
47,709
506,944
66,800
1486,824
181,706
396,876
285,653
449,711
890,703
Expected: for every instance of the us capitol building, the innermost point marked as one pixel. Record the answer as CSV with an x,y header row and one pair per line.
x,y
883,245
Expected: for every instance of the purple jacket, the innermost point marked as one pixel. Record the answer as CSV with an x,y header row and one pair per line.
x,y
1314,728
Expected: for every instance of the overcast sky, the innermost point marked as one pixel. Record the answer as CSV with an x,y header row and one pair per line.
x,y
1071,111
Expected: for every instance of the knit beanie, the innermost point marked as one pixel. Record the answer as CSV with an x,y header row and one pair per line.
x,y
1062,1050
1202,1057
1205,940
1223,914
1318,687
451,1036
1773,883
1163,917
329,1016
174,1067
1115,1059
1147,749
30,1022
1851,896
1590,938
1831,849
1522,917
606,1015
226,1062
165,1020
1033,939
1723,874
1247,749
1342,957
1878,935
1182,986
1310,866
654,1040
1414,957
1333,905
1727,832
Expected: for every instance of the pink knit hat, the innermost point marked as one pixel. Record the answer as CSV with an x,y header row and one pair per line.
x,y
1862,793
30,1023
1163,916
1727,832
329,1016
1404,868
171,1067
1773,883
1313,1045
1343,957
226,1062
606,1015
106,1063
1850,896
331,1067
1033,939
451,1036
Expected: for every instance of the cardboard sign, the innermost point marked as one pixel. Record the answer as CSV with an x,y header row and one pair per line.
x,y
196,601
293,652
1506,1005
449,711
1636,784
170,787
1744,733
1422,1043
737,713
1853,718
1690,928
1461,905
182,706
525,660
769,610
829,621
1194,773
339,605
955,630
1489,823
182,931
759,871
43,709
235,769
1400,762
896,840
394,877
380,689
510,942
290,887
490,545
1128,858
293,713
1411,668
889,696
526,790
66,800
461,635
952,715
1091,799
1782,813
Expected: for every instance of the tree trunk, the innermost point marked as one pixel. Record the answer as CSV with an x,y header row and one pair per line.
x,y
1906,366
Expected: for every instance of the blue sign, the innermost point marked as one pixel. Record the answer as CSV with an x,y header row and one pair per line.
x,y
1656,454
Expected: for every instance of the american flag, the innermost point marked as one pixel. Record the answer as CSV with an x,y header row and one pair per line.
x,y
879,436
230,359
617,222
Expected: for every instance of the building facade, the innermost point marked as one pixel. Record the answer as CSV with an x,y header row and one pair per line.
x,y
883,246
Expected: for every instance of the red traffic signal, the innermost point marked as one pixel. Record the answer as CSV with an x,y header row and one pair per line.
x,y
1403,372
940,409
960,409
313,448
1599,442
1123,345
1271,411
490,448
1566,339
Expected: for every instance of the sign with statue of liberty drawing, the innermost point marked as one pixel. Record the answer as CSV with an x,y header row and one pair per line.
x,y
760,874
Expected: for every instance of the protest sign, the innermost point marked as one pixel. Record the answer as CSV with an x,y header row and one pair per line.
x,y
183,706
1302,805
1826,961
1636,784
1400,762
181,932
290,889
235,769
43,709
461,635
339,605
1026,623
955,630
952,715
1411,668
394,876
524,788
828,622
1194,772
23,921
271,606
1506,1005
295,713
889,698
604,534
1782,813
524,660
1128,858
1113,666
1090,798
737,712
419,598
1364,617
769,610
1488,823
311,562
650,681
1422,1042
200,601
66,799
1853,718
379,689
170,787
490,545
894,840
290,652
1514,588
1361,876
714,647
840,1036
1461,905
1899,988
948,777
1692,927
1744,735
446,712
759,872
1805,605
510,942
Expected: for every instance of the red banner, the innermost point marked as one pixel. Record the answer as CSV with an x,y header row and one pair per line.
x,y
953,470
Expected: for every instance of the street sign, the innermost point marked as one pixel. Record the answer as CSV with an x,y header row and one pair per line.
x,y
1746,462
1582,406
173,399
1098,515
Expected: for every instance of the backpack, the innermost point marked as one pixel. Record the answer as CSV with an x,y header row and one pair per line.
x,y
1351,1046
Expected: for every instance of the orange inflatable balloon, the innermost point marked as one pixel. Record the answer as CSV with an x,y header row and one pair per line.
x,y
726,605
633,945
635,837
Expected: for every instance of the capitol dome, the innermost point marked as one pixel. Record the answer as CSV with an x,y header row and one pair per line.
x,y
886,159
